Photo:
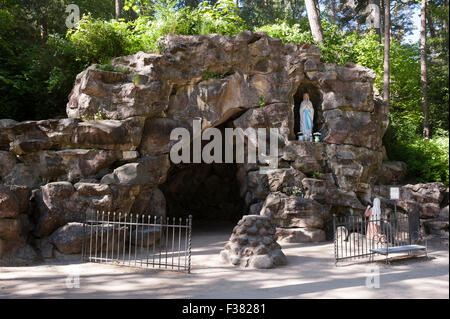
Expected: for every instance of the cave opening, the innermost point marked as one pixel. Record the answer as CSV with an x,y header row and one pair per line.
x,y
208,192
315,96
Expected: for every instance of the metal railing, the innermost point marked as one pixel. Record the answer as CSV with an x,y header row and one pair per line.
x,y
137,240
355,237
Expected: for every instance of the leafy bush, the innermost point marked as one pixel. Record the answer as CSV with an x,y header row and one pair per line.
x,y
220,18
295,33
427,160
96,41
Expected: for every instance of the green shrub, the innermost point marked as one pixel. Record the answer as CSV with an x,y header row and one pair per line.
x,y
288,33
427,160
220,18
95,41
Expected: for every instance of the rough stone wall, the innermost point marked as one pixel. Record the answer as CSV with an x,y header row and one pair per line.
x,y
111,153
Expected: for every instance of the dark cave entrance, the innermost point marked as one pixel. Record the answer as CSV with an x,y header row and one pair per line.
x,y
208,192
315,95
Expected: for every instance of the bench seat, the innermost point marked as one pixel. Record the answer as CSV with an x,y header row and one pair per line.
x,y
397,249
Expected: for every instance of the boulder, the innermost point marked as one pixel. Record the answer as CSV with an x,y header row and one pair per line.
x,y
391,172
146,237
5,133
60,203
150,201
68,239
294,211
33,136
7,162
156,136
150,170
255,209
427,197
73,163
341,234
353,165
443,215
118,135
300,235
436,227
9,204
23,175
307,157
11,229
118,95
56,208
356,94
326,192
274,115
353,128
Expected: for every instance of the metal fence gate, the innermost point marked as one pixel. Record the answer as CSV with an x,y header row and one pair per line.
x,y
137,240
356,237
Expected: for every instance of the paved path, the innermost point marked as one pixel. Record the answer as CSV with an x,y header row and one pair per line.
x,y
310,274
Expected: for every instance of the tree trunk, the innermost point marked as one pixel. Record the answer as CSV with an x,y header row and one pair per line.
x,y
387,46
445,4
423,67
118,9
430,27
314,20
332,11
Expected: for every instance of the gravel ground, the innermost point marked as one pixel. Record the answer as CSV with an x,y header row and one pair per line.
x,y
310,273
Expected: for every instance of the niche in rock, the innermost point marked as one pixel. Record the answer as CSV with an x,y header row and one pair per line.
x,y
315,96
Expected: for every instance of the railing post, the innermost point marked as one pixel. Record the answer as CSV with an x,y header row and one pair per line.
x,y
335,240
190,244
83,244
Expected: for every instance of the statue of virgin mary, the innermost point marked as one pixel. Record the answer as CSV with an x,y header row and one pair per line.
x,y
306,117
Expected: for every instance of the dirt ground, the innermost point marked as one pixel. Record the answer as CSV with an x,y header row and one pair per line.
x,y
310,273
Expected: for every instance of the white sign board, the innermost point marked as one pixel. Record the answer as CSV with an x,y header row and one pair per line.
x,y
395,193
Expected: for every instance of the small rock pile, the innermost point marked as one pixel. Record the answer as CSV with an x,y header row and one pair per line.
x,y
253,244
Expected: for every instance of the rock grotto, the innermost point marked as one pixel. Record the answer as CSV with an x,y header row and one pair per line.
x,y
112,152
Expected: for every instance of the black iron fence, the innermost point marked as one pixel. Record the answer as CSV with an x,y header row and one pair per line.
x,y
138,240
357,237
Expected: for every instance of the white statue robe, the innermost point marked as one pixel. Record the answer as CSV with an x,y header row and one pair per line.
x,y
306,118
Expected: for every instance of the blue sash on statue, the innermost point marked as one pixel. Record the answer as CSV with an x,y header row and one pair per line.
x,y
308,119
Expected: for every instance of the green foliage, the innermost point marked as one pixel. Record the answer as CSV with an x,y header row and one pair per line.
x,y
295,191
210,75
316,174
111,68
295,33
99,116
427,160
96,41
261,102
220,18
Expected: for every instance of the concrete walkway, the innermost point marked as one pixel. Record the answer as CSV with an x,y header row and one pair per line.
x,y
310,273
